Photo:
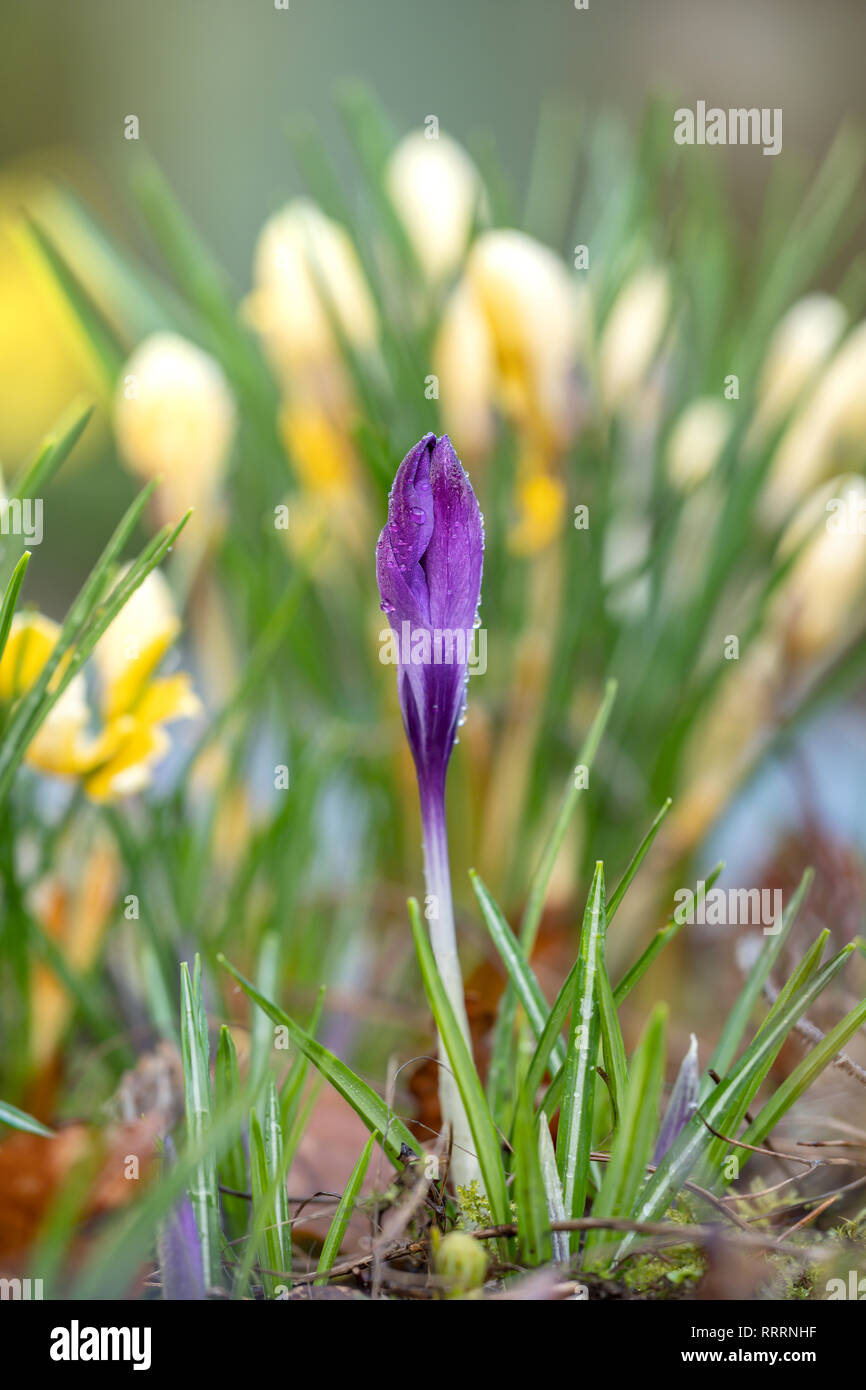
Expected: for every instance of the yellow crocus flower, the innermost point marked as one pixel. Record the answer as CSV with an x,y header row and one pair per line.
x,y
540,499
632,337
134,704
306,270
174,419
517,298
436,191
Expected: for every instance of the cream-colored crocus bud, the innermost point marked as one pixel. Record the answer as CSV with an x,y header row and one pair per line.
x,y
819,603
307,277
724,743
800,345
465,369
632,336
827,432
535,316
436,191
696,442
174,417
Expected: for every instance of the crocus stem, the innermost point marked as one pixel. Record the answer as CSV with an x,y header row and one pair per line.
x,y
443,939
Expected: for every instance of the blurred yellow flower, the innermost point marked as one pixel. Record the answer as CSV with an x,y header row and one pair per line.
x,y
175,417
465,365
44,363
75,909
800,345
696,442
540,501
828,432
511,335
632,336
306,275
320,452
819,603
134,704
436,191
724,742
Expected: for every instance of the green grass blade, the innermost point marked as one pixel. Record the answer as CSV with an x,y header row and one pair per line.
x,y
55,449
108,352
343,1215
738,1019
662,938
541,877
520,973
10,599
574,1140
552,1190
633,1145
484,1134
613,1047
363,1100
686,1154
279,1238
17,1119
263,1210
801,1078
232,1168
501,1068
197,1100
637,859
533,1220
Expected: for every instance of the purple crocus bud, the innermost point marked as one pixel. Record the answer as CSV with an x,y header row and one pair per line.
x,y
682,1104
179,1247
428,564
179,1250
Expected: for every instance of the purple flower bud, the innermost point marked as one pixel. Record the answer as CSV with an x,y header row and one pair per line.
x,y
179,1246
683,1102
428,564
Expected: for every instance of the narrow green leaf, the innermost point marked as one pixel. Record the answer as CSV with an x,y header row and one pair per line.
x,y
662,937
738,1019
637,859
17,1119
625,1173
363,1100
500,1070
197,1100
343,1215
533,1221
279,1237
10,599
262,1233
801,1078
541,877
520,972
55,449
686,1154
484,1134
552,1190
108,351
574,1140
613,1046
233,1161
